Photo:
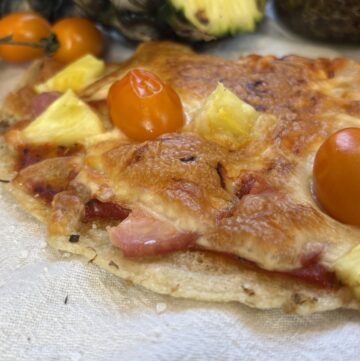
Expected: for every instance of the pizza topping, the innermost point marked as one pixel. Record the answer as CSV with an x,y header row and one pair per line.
x,y
66,121
77,37
192,173
95,210
41,102
337,176
67,209
225,119
316,274
348,270
312,272
49,177
46,191
26,36
28,155
22,27
75,76
144,107
143,235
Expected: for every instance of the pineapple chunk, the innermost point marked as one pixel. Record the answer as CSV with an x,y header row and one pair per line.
x,y
67,121
225,119
347,269
75,76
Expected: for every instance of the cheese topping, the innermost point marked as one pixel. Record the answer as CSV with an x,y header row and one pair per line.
x,y
250,194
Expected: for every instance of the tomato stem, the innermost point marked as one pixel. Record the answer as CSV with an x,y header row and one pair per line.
x,y
49,44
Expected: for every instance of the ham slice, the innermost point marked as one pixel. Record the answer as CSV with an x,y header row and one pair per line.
x,y
140,235
41,102
311,272
95,210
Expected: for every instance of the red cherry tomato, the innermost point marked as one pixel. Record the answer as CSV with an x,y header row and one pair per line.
x,y
24,27
337,176
76,37
144,107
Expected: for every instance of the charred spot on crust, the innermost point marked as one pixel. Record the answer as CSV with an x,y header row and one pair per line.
x,y
248,291
74,238
190,159
175,288
113,264
220,172
298,298
4,181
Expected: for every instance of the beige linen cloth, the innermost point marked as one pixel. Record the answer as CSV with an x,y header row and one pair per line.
x,y
54,306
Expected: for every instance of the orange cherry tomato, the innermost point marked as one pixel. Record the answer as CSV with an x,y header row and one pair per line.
x,y
144,107
24,27
76,37
337,176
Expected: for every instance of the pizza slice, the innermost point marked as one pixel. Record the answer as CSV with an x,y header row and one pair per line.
x,y
221,209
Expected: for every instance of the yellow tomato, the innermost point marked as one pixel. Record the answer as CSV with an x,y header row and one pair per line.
x,y
143,106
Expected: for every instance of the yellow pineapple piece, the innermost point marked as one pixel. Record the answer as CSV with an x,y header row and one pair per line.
x,y
67,121
225,119
75,76
347,269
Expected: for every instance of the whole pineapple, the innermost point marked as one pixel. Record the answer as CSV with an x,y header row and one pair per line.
x,y
142,20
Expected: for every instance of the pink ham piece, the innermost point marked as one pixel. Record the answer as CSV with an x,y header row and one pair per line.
x,y
41,102
140,235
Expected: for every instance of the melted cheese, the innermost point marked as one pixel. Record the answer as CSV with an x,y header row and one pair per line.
x,y
254,202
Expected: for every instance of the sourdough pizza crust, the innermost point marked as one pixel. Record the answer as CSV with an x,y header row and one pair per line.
x,y
201,275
